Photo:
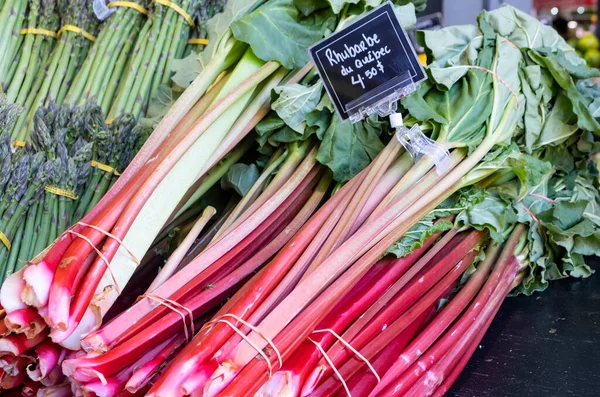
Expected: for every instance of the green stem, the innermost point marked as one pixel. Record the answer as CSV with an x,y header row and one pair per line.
x,y
28,234
14,252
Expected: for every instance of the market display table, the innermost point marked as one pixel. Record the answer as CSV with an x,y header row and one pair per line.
x,y
545,345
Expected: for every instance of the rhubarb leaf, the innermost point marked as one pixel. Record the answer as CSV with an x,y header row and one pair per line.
x,y
347,148
454,45
493,213
277,31
417,235
240,177
218,33
294,101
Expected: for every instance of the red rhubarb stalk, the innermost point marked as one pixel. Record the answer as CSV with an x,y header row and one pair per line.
x,y
408,378
370,348
446,317
250,296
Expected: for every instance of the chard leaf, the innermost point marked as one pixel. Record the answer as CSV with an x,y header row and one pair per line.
x,y
240,178
417,235
277,31
295,101
347,148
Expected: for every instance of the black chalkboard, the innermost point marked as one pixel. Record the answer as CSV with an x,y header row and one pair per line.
x,y
367,61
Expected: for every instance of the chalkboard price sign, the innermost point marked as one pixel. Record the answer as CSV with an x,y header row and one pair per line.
x,y
367,63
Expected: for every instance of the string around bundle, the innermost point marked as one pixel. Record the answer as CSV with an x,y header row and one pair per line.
x,y
43,32
18,143
333,367
112,236
75,29
198,40
173,305
61,192
247,339
351,348
128,4
175,7
104,167
5,240
100,254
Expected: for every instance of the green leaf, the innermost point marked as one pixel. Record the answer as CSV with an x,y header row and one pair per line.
x,y
347,148
277,31
406,15
295,101
466,107
585,118
218,33
531,82
240,177
560,124
493,214
525,31
419,5
269,124
417,235
450,46
285,135
159,105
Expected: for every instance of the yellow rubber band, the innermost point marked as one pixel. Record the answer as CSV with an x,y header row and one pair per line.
x,y
75,29
198,41
44,32
5,240
178,9
104,167
128,4
110,121
18,143
60,192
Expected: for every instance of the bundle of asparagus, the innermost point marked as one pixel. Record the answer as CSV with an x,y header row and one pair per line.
x,y
39,40
75,38
12,18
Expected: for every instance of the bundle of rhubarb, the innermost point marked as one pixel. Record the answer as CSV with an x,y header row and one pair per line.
x,y
304,286
262,326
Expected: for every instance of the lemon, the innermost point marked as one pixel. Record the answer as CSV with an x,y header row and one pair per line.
x,y
592,57
588,42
